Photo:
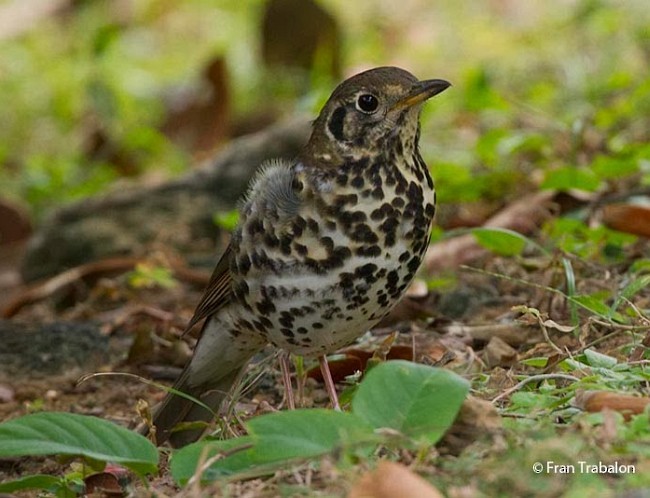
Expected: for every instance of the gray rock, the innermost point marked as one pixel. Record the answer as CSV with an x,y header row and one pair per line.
x,y
178,213
35,351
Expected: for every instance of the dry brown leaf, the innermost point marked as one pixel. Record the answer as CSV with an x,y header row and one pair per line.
x,y
523,216
393,480
629,218
499,353
7,393
597,401
512,333
476,419
104,484
355,360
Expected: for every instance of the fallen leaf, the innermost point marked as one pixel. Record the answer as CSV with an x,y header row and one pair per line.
x,y
355,360
522,216
476,419
551,324
629,218
7,393
499,353
597,401
392,480
103,484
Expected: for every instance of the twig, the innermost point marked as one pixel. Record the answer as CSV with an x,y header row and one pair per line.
x,y
533,378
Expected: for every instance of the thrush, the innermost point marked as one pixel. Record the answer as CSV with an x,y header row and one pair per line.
x,y
325,246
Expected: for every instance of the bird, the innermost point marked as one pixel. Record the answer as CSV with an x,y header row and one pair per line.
x,y
326,245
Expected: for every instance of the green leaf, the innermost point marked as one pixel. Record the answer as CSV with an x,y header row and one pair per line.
x,y
597,306
596,359
184,462
569,177
420,402
274,440
536,362
38,481
226,220
500,240
614,167
307,433
54,433
630,290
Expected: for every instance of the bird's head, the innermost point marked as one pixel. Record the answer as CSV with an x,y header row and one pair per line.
x,y
366,110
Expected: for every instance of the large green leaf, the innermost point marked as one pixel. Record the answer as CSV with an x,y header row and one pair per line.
x,y
420,402
54,433
38,481
274,440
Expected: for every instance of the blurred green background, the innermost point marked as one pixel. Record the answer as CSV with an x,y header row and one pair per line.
x,y
547,93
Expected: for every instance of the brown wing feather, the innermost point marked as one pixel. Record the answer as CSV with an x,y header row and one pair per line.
x,y
217,293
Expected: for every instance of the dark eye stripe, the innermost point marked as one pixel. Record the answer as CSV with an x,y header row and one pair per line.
x,y
335,124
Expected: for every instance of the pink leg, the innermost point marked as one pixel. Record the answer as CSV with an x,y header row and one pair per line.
x,y
286,380
329,382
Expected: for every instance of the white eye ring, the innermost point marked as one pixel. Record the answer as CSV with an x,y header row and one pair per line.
x,y
367,103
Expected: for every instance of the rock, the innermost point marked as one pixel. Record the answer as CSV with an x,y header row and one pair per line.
x,y
34,351
178,213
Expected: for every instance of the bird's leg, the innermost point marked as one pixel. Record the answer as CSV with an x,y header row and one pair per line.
x,y
329,382
286,380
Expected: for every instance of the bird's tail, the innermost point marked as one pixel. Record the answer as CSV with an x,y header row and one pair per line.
x,y
174,419
215,367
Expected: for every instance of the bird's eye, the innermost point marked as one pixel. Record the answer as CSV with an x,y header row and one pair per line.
x,y
367,103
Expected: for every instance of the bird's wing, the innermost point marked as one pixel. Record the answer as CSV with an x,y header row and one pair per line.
x,y
270,195
217,293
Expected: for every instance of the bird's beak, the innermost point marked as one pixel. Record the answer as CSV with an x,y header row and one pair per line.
x,y
420,92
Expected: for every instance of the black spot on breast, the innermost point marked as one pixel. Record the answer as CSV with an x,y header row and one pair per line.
x,y
340,254
259,327
392,279
285,245
240,289
265,307
270,240
342,200
312,225
254,227
243,264
413,264
336,123
366,270
286,320
363,233
327,243
368,250
357,182
300,249
382,212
